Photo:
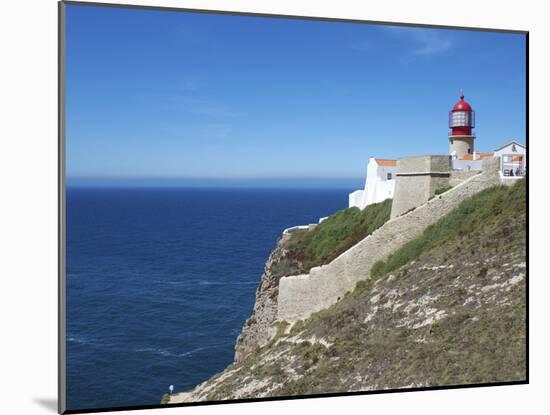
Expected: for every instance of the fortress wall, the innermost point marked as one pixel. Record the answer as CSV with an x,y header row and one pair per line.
x,y
437,182
458,177
417,179
301,295
410,192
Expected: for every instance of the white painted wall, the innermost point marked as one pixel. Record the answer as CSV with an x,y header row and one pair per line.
x,y
466,165
356,199
377,186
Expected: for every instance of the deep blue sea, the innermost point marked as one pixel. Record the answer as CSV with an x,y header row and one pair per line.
x,y
160,281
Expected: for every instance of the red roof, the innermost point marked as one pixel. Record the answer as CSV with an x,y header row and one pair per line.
x,y
462,105
386,162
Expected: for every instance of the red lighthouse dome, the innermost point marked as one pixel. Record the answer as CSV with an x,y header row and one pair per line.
x,y
461,118
462,105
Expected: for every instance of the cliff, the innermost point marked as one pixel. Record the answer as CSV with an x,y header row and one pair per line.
x,y
258,329
446,308
298,252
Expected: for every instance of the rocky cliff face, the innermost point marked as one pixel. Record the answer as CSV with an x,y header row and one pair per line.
x,y
453,315
258,329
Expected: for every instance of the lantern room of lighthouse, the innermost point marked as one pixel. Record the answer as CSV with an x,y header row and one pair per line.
x,y
461,123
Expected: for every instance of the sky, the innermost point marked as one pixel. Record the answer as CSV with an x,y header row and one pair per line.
x,y
163,97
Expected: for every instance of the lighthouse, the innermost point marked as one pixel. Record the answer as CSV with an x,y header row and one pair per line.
x,y
461,122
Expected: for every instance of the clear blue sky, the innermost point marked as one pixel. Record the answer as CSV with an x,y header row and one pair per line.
x,y
165,96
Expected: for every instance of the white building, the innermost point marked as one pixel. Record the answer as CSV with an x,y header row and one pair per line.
x,y
469,161
380,181
379,184
513,160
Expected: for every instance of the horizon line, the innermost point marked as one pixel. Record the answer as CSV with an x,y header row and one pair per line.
x,y
250,183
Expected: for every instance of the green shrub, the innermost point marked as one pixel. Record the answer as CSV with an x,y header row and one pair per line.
x,y
494,204
165,399
378,269
296,327
281,328
442,190
439,191
337,233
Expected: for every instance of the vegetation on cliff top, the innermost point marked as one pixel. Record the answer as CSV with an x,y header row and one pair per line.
x,y
337,234
499,203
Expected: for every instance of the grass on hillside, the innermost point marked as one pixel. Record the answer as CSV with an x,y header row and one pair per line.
x,y
459,349
337,233
495,203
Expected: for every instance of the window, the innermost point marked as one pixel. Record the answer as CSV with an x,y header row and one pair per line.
x,y
512,165
460,119
389,176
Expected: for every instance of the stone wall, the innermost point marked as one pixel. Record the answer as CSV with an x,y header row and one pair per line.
x,y
301,295
417,179
458,177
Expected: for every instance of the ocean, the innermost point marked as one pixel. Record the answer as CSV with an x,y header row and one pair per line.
x,y
161,280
